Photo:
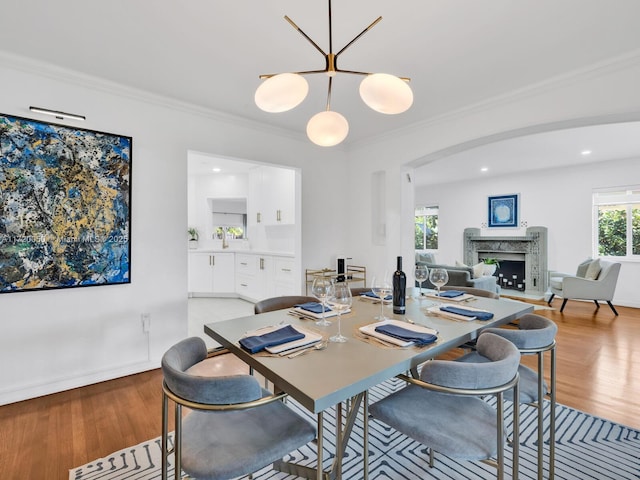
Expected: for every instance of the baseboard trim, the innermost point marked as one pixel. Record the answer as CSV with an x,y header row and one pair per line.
x,y
27,392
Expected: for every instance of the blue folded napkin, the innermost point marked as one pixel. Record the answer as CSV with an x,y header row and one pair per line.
x,y
314,307
467,313
451,293
373,295
417,338
257,343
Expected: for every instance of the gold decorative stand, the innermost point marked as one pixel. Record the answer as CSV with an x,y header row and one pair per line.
x,y
354,274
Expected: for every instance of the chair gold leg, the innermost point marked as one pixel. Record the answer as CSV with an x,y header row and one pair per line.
x,y
552,417
165,434
516,434
177,443
365,416
500,431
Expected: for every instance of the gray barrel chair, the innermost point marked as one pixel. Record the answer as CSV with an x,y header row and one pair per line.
x,y
279,303
235,427
444,410
535,335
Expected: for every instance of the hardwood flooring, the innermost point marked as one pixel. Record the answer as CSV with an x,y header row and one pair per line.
x,y
598,357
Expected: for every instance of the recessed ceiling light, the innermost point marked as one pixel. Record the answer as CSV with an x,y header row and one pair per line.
x,y
585,152
484,169
217,169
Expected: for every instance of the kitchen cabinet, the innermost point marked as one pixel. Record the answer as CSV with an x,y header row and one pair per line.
x,y
264,276
284,281
211,273
272,197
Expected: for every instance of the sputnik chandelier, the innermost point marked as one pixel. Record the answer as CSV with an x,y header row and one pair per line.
x,y
382,92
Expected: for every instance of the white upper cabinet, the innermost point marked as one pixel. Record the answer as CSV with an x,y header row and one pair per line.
x,y
272,198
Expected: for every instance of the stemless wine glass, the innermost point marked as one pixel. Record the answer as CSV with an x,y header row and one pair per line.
x,y
321,289
381,288
340,300
439,277
421,273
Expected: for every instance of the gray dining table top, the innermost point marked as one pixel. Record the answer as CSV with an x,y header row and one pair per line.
x,y
322,378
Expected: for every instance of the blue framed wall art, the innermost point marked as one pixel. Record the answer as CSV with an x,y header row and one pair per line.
x,y
503,211
65,206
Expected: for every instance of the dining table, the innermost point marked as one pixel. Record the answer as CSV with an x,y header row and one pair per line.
x,y
342,373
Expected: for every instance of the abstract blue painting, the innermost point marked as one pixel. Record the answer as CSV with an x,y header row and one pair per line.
x,y
503,211
65,206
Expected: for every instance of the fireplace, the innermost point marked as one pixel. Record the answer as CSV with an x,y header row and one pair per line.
x,y
523,259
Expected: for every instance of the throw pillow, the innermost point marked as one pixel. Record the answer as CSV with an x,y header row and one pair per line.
x,y
478,270
425,258
582,268
594,270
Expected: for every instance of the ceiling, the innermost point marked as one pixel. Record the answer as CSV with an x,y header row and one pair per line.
x,y
211,52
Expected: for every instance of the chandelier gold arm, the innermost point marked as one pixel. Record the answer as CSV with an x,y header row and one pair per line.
x,y
330,58
293,24
373,24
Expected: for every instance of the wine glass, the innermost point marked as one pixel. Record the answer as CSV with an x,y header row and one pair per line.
x,y
381,288
421,273
340,300
321,289
439,277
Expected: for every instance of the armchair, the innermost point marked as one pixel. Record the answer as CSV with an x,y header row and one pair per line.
x,y
594,280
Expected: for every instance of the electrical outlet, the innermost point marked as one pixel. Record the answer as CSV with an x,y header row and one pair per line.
x,y
146,322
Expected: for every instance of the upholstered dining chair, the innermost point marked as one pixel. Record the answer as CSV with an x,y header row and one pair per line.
x,y
279,303
355,291
234,427
444,411
534,335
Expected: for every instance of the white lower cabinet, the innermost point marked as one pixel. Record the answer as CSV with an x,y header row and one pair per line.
x,y
250,276
263,276
283,276
211,273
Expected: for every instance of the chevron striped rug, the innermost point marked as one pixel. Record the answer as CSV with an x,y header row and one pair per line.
x,y
587,447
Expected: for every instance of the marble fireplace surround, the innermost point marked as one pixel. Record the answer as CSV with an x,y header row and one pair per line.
x,y
532,248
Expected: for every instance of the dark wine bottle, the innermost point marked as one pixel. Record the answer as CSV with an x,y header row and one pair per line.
x,y
399,289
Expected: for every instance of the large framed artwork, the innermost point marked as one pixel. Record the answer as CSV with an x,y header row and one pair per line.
x,y
503,211
65,206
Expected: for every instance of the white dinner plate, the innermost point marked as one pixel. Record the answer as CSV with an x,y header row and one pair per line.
x,y
436,311
309,338
374,299
459,298
307,313
371,330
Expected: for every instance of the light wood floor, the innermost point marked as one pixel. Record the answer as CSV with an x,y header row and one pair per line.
x,y
598,355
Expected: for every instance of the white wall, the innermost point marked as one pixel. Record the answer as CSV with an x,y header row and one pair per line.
x,y
559,199
53,340
61,339
607,93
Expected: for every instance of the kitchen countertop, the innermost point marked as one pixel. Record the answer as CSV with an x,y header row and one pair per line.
x,y
241,250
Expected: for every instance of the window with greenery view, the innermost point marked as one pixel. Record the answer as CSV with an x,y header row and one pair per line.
x,y
617,222
426,228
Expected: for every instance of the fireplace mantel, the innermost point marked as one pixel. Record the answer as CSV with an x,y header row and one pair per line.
x,y
532,245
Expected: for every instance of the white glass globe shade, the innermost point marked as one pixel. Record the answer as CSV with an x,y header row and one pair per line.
x,y
281,92
386,93
327,128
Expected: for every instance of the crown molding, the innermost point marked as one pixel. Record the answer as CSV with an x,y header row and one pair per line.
x,y
73,77
610,65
